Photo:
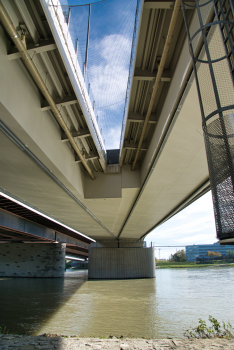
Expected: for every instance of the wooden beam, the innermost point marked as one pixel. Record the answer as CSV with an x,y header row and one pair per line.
x,y
44,45
137,118
87,157
67,100
78,134
131,145
145,74
164,5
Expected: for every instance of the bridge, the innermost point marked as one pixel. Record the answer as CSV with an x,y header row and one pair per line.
x,y
52,154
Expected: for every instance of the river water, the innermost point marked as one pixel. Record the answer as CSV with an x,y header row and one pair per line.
x,y
160,307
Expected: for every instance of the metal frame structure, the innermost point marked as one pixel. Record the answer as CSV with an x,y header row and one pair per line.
x,y
218,119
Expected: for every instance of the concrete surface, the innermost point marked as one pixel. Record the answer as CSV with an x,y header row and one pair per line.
x,y
129,262
19,342
32,259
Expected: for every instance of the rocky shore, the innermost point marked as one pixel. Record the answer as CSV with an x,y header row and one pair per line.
x,y
26,342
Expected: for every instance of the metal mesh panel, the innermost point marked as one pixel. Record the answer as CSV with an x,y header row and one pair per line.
x,y
219,139
211,47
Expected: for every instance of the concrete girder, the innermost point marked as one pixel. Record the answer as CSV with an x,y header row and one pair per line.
x,y
28,228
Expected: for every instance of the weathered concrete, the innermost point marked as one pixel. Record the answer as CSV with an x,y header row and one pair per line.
x,y
32,259
123,262
48,343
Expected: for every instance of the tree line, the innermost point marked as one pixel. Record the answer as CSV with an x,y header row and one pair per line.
x,y
181,256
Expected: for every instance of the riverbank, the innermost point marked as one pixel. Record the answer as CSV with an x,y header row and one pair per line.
x,y
25,342
189,265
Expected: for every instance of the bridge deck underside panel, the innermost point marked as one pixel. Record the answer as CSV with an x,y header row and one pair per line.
x,y
180,169
24,179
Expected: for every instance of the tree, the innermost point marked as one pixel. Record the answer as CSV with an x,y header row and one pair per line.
x,y
218,254
211,254
230,255
178,256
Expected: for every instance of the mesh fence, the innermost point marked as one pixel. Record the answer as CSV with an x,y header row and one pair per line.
x,y
211,46
102,36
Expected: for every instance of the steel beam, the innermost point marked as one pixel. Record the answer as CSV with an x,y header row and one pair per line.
x,y
90,156
145,74
67,100
44,45
137,118
164,5
133,146
78,134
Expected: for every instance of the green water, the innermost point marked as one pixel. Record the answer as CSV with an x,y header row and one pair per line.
x,y
160,307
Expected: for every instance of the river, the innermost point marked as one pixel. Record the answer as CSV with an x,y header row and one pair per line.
x,y
160,307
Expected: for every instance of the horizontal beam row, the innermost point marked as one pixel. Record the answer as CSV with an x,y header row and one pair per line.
x,y
145,74
90,156
138,118
66,101
133,146
78,134
164,5
43,46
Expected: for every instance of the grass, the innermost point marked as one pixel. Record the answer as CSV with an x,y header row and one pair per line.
x,y
189,264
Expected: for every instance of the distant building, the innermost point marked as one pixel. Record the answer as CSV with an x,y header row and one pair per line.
x,y
200,251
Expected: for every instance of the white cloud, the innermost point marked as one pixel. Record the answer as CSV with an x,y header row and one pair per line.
x,y
194,225
109,76
112,137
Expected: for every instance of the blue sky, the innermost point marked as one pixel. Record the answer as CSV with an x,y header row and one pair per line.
x,y
193,225
110,42
111,30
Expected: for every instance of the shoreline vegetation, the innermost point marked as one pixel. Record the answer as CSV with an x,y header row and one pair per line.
x,y
166,264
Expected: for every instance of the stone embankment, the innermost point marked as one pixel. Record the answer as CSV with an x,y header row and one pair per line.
x,y
25,342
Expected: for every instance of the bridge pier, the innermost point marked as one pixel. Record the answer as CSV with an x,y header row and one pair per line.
x,y
32,259
121,260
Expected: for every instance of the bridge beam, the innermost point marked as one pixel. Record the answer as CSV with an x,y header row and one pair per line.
x,y
43,46
123,260
138,118
145,74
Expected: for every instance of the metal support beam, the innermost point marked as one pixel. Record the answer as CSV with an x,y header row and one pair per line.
x,y
133,146
79,134
90,156
44,45
66,101
145,74
164,5
175,13
10,28
137,118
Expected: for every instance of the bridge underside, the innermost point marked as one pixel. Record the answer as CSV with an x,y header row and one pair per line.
x,y
39,164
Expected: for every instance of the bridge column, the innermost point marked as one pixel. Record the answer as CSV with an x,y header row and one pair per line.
x,y
212,50
32,259
113,260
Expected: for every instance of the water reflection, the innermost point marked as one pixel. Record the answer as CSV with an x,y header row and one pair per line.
x,y
103,308
160,307
26,303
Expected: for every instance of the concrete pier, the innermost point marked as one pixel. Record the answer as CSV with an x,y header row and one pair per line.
x,y
32,259
121,260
